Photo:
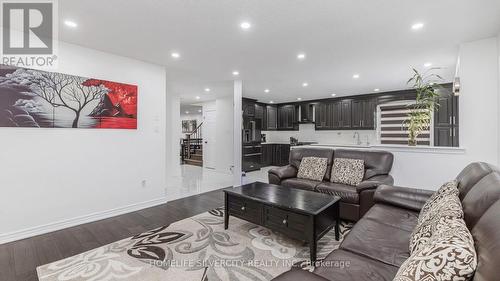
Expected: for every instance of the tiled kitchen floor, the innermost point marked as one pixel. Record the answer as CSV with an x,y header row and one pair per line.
x,y
196,180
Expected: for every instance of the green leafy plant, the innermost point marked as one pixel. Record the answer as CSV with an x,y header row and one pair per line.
x,y
420,116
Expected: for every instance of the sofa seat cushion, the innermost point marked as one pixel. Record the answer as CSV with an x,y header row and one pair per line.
x,y
379,241
348,193
345,265
300,184
394,216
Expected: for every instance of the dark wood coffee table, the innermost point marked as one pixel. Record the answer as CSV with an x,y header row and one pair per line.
x,y
299,214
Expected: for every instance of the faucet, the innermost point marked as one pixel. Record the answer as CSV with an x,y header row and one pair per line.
x,y
358,142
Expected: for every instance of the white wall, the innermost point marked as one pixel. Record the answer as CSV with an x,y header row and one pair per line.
x,y
54,178
479,122
225,125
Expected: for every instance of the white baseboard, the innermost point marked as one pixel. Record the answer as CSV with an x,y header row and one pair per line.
x,y
50,227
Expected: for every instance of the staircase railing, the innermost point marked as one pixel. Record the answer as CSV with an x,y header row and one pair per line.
x,y
191,142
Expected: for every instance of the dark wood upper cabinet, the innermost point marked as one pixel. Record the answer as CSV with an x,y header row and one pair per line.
x,y
363,114
288,117
272,117
306,112
259,111
446,120
248,107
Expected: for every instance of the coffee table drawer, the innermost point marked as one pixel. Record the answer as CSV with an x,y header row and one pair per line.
x,y
245,209
292,224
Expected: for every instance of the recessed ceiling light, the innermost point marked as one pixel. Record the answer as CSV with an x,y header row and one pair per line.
x,y
376,90
245,25
417,26
301,56
334,95
187,112
271,102
70,23
236,73
199,110
355,76
305,84
266,91
207,90
175,55
428,64
198,97
299,98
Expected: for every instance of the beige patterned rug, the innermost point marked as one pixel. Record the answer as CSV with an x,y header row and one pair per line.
x,y
193,249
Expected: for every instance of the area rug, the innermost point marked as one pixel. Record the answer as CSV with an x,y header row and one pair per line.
x,y
193,249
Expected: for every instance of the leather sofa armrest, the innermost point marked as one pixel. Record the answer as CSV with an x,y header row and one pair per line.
x,y
374,182
404,197
276,175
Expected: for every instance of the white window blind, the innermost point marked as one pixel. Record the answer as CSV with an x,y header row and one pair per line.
x,y
391,128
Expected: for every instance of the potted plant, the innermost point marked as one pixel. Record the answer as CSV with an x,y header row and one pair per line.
x,y
420,116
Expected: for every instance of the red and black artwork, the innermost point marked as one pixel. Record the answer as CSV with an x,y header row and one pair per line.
x,y
34,98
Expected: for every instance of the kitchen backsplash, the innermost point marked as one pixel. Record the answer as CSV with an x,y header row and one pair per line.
x,y
307,133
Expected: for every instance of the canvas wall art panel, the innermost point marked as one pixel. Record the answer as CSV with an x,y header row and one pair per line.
x,y
33,98
188,126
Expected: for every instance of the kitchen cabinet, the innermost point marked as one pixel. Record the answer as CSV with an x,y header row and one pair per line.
x,y
321,116
267,155
446,120
306,113
248,107
272,117
363,114
275,155
259,111
288,117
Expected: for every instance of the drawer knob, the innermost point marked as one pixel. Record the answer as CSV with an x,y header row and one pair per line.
x,y
284,221
243,208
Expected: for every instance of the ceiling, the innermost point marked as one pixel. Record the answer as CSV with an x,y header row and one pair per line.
x,y
340,38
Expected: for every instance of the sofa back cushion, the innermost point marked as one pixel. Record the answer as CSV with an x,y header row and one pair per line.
x,y
486,234
312,168
480,198
347,171
449,254
471,175
376,162
297,154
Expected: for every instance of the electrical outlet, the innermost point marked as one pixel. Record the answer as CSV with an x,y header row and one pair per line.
x,y
143,183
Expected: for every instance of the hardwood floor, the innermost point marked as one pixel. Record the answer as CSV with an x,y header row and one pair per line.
x,y
18,260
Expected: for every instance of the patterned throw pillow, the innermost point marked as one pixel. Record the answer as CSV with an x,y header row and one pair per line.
x,y
446,208
443,191
312,168
448,255
348,171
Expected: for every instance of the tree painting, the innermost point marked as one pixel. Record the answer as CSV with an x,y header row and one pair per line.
x,y
32,98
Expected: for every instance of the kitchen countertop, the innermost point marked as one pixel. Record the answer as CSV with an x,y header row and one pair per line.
x,y
395,148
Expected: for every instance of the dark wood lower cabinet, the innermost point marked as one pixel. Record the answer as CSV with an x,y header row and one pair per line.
x,y
275,154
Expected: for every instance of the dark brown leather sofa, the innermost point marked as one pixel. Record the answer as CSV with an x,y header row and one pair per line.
x,y
356,200
378,243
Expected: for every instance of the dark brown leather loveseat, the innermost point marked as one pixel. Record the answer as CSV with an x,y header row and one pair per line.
x,y
356,200
378,243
